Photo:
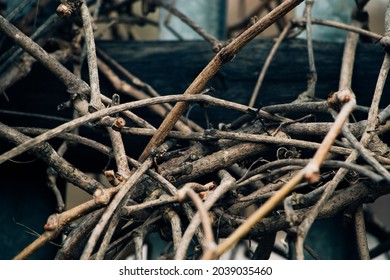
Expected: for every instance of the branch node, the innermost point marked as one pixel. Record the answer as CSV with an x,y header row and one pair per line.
x,y
52,223
311,173
118,124
101,196
112,179
226,55
68,8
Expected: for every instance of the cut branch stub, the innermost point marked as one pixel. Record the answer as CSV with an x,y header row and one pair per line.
x,y
68,8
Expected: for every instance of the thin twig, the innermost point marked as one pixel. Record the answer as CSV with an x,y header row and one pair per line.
x,y
107,236
340,25
227,184
176,227
217,45
56,222
95,102
212,134
366,154
348,58
118,148
209,242
52,179
163,200
361,236
312,78
267,63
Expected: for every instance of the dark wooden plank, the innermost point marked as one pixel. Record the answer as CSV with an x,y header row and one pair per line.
x,y
171,66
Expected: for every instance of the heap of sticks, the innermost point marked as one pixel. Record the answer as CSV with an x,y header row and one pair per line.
x,y
205,188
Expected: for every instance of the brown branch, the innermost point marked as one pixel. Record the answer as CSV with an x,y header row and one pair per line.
x,y
71,248
227,183
56,222
38,243
348,58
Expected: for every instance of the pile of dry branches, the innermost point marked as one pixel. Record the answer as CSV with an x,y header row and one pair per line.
x,y
194,185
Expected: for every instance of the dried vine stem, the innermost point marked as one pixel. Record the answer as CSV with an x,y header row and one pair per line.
x,y
225,221
222,57
176,227
366,154
312,76
217,45
208,242
340,25
227,183
267,63
56,222
95,102
118,145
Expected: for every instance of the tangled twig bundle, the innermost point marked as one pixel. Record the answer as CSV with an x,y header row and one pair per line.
x,y
203,189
